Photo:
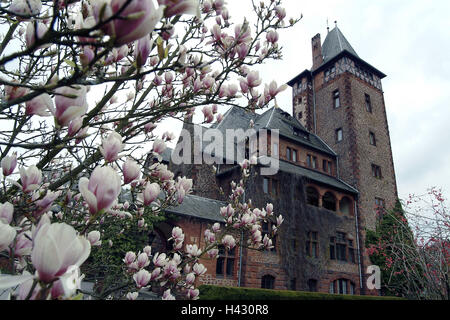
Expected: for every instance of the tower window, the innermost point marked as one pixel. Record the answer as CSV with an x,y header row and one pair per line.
x,y
339,134
336,99
368,103
288,153
372,139
376,171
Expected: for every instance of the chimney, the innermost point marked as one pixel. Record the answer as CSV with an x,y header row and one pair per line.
x,y
316,51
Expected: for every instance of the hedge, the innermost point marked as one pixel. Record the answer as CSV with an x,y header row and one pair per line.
x,y
210,292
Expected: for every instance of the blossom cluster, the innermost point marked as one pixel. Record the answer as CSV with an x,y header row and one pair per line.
x,y
85,87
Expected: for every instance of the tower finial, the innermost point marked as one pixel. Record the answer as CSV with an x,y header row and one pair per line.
x,y
328,27
335,23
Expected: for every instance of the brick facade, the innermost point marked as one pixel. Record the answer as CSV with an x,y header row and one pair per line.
x,y
335,231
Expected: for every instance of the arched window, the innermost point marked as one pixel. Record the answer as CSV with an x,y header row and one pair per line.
x,y
345,205
268,282
329,201
312,196
342,286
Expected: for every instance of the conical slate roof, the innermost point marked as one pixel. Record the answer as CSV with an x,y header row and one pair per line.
x,y
335,43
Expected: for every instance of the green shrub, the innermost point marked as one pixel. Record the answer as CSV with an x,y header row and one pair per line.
x,y
210,292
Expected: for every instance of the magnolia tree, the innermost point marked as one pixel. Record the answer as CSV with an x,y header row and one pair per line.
x,y
85,85
412,248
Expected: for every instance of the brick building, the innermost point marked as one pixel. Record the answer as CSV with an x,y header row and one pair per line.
x,y
335,168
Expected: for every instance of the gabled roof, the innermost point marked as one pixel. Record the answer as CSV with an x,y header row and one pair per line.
x,y
289,127
199,207
313,175
334,44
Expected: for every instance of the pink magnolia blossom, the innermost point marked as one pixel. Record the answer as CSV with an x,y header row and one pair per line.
x,y
273,89
23,245
148,250
185,183
70,103
94,238
56,247
213,253
40,105
15,92
190,278
143,48
167,295
155,274
132,295
216,227
149,127
142,278
193,250
253,79
272,36
242,34
159,146
160,260
101,189
192,294
111,146
129,257
229,242
25,8
177,234
74,126
35,31
171,270
131,171
269,209
244,85
6,212
179,7
199,269
8,164
280,12
135,21
143,260
209,236
150,193
7,235
30,178
45,203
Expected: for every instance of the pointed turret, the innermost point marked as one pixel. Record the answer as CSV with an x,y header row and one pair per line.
x,y
334,44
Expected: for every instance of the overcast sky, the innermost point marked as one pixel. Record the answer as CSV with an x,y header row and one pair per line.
x,y
409,41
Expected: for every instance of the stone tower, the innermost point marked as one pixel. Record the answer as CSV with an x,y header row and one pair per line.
x,y
341,100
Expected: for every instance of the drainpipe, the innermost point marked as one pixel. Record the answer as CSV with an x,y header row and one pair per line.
x,y
240,250
358,248
314,103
